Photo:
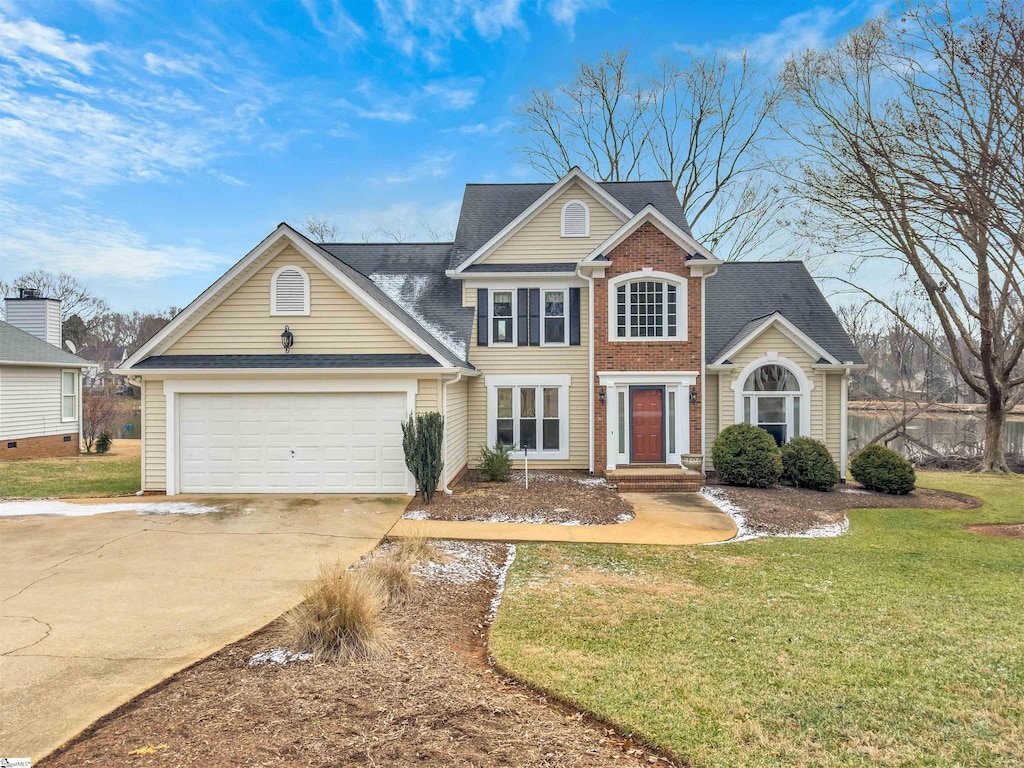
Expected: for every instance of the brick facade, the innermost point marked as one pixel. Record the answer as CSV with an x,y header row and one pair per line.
x,y
40,447
648,247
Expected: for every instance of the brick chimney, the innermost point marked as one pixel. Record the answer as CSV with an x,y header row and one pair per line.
x,y
34,313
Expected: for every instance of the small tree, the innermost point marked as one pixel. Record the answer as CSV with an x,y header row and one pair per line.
x,y
98,414
422,441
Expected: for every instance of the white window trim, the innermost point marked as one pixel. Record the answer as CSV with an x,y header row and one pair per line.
x,y
562,381
565,318
646,274
806,386
274,312
73,395
586,218
514,317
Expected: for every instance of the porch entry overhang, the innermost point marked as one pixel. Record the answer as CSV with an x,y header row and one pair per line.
x,y
633,402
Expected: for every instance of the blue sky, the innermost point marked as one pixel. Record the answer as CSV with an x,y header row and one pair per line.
x,y
146,146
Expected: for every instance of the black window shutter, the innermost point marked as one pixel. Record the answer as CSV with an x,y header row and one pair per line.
x,y
574,317
524,317
482,301
535,317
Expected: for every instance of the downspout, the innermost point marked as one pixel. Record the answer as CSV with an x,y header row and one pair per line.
x,y
444,410
844,419
590,369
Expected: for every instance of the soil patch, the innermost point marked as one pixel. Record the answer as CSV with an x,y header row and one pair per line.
x,y
433,701
785,510
1005,531
567,498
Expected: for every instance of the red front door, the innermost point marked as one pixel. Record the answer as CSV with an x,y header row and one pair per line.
x,y
648,424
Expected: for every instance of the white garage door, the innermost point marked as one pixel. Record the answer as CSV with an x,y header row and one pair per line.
x,y
291,443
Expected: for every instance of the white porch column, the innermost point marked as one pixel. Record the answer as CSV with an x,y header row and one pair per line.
x,y
612,426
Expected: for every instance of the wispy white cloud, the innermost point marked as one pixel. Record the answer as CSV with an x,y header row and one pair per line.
x,y
412,220
453,95
330,18
228,179
389,113
564,12
378,103
813,28
432,166
427,29
486,129
178,65
71,239
22,37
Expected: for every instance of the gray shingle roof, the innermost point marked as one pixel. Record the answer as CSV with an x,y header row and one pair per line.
x,y
287,361
488,208
553,267
18,346
743,292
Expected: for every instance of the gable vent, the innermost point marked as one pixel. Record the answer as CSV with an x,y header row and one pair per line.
x,y
289,290
575,219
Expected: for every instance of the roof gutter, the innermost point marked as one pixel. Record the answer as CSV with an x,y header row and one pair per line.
x,y
46,365
206,372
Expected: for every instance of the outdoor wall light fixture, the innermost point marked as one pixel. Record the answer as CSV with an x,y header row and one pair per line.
x,y
287,339
600,396
693,394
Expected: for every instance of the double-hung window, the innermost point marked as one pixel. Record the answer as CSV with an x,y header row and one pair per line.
x,y
530,418
503,317
649,308
68,396
554,317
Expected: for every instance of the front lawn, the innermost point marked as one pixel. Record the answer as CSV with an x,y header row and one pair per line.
x,y
898,643
116,473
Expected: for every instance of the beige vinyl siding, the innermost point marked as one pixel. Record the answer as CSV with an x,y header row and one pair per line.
x,y
427,398
337,323
456,427
541,239
154,436
30,403
711,396
825,425
834,414
522,361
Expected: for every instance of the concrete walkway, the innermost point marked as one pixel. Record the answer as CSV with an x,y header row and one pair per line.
x,y
94,610
660,518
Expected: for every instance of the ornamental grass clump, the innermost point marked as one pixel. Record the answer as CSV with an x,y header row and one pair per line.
x,y
394,573
340,617
882,469
747,455
807,463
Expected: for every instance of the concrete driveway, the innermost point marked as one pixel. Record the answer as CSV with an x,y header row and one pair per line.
x,y
94,610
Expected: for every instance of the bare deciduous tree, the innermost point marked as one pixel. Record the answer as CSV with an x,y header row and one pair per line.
x,y
912,135
321,230
100,411
703,124
74,298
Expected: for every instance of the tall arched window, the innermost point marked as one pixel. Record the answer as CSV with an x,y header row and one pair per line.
x,y
647,306
289,291
772,400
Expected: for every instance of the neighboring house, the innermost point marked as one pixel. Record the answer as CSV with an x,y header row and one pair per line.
x,y
40,383
104,360
577,320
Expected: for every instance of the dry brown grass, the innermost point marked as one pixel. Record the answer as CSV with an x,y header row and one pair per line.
x,y
395,575
415,549
340,617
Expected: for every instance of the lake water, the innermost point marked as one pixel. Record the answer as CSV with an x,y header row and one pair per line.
x,y
946,433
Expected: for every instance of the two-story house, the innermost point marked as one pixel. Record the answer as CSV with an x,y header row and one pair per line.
x,y
579,322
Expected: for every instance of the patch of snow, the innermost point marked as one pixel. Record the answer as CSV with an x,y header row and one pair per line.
x,y
280,656
625,517
406,290
745,533
597,482
416,514
499,590
858,491
468,562
66,509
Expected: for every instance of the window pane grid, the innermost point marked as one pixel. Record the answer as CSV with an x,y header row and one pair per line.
x,y
524,415
554,317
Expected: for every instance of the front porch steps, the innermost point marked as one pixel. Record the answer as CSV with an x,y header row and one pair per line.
x,y
648,478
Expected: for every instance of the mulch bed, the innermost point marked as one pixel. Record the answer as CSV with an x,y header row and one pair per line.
x,y
553,497
1001,530
783,509
433,701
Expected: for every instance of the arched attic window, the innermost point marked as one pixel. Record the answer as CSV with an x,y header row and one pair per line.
x,y
575,219
289,291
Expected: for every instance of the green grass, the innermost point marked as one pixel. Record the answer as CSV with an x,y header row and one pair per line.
x,y
86,475
898,644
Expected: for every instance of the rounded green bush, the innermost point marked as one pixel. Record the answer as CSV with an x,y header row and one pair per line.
x,y
806,463
878,468
746,455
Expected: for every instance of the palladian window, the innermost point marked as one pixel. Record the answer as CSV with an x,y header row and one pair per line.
x,y
649,309
771,400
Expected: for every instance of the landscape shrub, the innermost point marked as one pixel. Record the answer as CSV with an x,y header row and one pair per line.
x,y
422,441
415,548
882,469
103,442
495,464
807,463
394,572
746,455
340,616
